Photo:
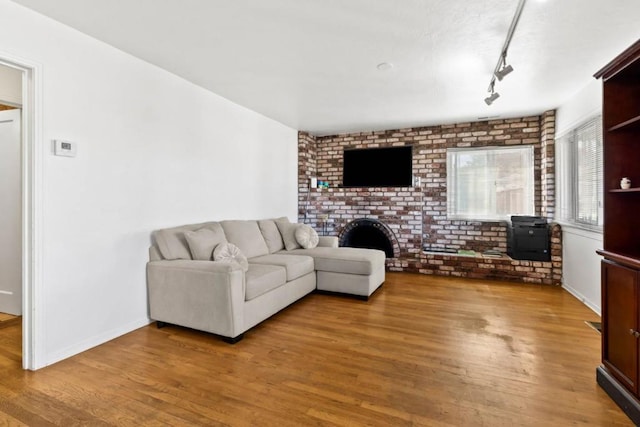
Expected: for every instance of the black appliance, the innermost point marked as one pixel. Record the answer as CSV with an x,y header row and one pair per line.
x,y
528,238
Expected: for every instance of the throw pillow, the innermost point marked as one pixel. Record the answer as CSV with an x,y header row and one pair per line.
x,y
271,235
202,242
306,236
228,252
288,231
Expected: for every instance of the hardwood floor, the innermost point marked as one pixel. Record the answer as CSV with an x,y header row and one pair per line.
x,y
423,351
4,317
9,320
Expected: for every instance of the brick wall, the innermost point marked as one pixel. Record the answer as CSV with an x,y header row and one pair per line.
x,y
418,216
547,163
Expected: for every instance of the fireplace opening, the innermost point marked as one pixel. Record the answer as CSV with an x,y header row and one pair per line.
x,y
369,234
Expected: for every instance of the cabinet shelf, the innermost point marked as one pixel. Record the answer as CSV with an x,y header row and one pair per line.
x,y
634,121
626,190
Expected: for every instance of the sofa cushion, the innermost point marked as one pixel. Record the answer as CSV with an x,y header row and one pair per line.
x,y
271,235
261,278
344,260
306,236
246,235
173,244
228,252
296,265
288,232
202,242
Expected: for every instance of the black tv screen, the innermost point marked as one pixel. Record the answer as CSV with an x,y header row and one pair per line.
x,y
378,167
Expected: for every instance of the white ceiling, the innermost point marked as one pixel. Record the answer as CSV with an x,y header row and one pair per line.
x,y
312,64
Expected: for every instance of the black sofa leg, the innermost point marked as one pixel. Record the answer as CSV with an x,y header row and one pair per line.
x,y
233,340
160,324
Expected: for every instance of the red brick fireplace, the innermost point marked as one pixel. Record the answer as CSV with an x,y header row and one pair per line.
x,y
415,217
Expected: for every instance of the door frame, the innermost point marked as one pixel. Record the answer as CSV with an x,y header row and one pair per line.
x,y
32,203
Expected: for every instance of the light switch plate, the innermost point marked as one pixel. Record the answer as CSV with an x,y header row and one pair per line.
x,y
64,148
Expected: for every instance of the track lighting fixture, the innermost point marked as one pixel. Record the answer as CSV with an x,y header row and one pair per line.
x,y
502,68
489,99
494,95
506,69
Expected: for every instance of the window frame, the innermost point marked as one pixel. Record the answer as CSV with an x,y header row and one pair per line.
x,y
567,158
494,217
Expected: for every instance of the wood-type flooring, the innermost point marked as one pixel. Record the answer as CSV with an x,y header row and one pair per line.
x,y
423,351
9,320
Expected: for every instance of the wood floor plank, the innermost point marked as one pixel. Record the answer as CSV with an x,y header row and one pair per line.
x,y
423,351
5,316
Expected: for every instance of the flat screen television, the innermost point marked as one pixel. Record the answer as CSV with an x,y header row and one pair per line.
x,y
378,167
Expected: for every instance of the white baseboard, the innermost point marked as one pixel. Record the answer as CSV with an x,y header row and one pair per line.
x,y
592,305
94,341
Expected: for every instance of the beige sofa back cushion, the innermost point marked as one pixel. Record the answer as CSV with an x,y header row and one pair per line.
x,y
271,235
172,243
245,234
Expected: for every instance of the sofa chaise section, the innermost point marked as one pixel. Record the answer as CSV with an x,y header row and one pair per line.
x,y
352,271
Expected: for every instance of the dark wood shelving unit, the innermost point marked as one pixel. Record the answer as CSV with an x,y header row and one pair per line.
x,y
619,374
635,121
625,190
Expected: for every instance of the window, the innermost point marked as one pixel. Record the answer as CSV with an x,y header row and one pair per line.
x,y
579,175
490,183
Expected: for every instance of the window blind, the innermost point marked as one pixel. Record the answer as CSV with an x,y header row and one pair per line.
x,y
579,174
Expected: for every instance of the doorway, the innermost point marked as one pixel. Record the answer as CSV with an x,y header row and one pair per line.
x,y
22,117
11,206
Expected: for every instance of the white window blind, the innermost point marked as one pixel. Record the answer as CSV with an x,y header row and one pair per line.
x,y
579,174
564,178
490,183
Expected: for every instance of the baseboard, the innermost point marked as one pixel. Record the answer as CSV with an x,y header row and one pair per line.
x,y
593,306
93,342
625,400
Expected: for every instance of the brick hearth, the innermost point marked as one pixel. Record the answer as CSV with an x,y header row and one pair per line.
x,y
417,216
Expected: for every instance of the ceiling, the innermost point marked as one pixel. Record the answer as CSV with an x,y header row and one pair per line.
x,y
312,64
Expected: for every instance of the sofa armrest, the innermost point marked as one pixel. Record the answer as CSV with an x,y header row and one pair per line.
x,y
203,295
328,242
154,253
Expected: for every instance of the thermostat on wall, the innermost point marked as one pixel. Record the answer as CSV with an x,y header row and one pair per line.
x,y
64,148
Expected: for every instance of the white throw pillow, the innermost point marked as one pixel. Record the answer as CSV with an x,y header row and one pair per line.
x,y
228,252
306,236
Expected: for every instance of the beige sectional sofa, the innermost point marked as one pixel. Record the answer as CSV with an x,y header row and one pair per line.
x,y
266,270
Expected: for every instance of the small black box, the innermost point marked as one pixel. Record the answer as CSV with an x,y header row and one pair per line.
x,y
528,238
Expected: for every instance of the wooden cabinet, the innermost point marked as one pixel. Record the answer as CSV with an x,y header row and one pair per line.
x,y
620,323
618,374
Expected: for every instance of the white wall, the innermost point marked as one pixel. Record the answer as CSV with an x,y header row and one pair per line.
x,y
153,151
10,86
581,264
584,105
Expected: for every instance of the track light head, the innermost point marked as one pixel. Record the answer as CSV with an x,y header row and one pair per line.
x,y
489,99
506,69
